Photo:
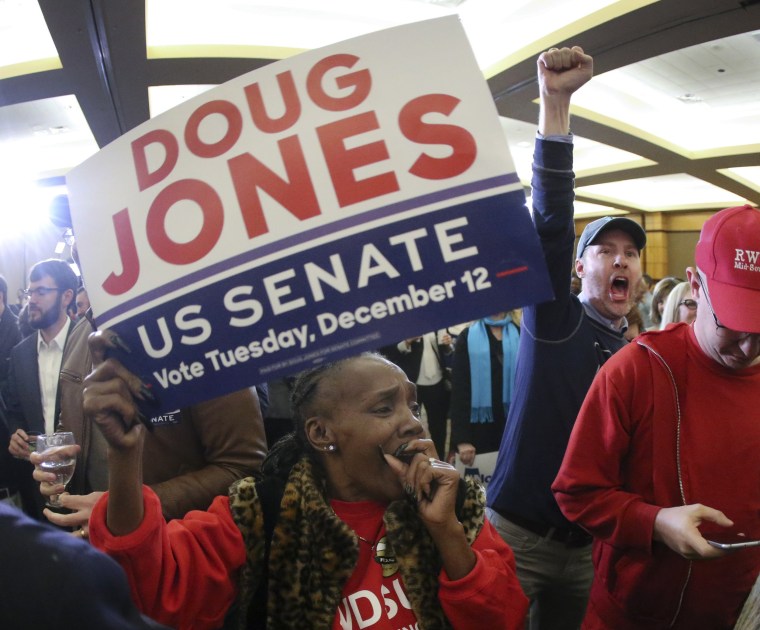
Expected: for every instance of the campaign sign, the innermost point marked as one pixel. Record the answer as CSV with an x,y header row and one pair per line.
x,y
327,204
481,469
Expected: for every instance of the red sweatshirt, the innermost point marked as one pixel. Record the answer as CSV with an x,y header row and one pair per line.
x,y
664,425
183,573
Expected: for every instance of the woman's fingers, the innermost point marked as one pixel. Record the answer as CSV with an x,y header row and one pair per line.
x,y
431,483
109,400
101,341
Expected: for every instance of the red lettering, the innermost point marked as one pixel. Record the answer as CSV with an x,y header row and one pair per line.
x,y
342,162
360,81
213,220
295,193
463,147
234,127
290,100
130,263
146,179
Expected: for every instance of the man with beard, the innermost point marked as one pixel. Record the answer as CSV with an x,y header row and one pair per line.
x,y
35,365
563,343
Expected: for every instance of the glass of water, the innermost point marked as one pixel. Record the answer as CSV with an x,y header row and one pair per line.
x,y
57,459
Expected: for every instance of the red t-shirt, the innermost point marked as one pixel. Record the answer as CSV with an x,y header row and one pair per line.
x,y
374,596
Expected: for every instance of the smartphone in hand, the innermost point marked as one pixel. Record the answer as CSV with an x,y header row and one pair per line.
x,y
731,540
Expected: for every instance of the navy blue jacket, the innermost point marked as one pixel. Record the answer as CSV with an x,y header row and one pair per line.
x,y
52,581
560,351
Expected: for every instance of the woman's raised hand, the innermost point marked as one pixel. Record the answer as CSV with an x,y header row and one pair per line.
x,y
110,392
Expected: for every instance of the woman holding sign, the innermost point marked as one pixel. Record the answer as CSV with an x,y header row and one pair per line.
x,y
356,522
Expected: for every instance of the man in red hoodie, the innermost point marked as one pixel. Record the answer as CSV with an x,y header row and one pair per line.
x,y
663,457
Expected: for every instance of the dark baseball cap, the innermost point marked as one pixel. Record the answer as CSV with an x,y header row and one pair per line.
x,y
598,226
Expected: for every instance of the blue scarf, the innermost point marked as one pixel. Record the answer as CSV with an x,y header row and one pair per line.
x,y
479,350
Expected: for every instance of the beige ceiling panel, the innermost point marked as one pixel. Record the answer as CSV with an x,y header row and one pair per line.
x,y
44,138
661,194
25,42
747,175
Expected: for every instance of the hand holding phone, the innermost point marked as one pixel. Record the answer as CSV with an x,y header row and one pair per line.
x,y
731,540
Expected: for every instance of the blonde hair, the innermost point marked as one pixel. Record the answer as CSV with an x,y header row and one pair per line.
x,y
670,313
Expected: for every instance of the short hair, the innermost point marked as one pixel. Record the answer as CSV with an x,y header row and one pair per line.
x,y
4,289
290,448
58,270
81,290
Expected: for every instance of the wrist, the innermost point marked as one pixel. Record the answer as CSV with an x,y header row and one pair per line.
x,y
446,531
457,556
554,116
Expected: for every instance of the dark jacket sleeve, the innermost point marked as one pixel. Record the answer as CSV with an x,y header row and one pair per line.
x,y
13,415
24,407
83,588
552,190
10,335
461,392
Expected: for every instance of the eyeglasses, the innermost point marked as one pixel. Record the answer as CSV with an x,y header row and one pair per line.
x,y
40,292
689,303
724,332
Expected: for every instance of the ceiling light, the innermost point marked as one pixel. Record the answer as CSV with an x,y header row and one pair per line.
x,y
40,130
690,98
444,3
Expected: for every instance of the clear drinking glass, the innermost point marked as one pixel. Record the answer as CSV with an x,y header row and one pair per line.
x,y
32,440
56,460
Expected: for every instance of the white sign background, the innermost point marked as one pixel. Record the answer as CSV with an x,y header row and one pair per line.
x,y
362,115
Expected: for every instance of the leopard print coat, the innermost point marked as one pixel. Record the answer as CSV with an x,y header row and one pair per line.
x,y
313,553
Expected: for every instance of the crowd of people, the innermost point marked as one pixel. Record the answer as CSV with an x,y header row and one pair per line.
x,y
464,377
620,412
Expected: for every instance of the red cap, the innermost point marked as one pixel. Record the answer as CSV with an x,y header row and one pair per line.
x,y
728,253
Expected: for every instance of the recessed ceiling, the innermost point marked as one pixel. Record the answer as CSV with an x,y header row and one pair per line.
x,y
669,123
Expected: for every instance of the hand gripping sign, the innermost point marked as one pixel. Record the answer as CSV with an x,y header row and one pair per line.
x,y
323,205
